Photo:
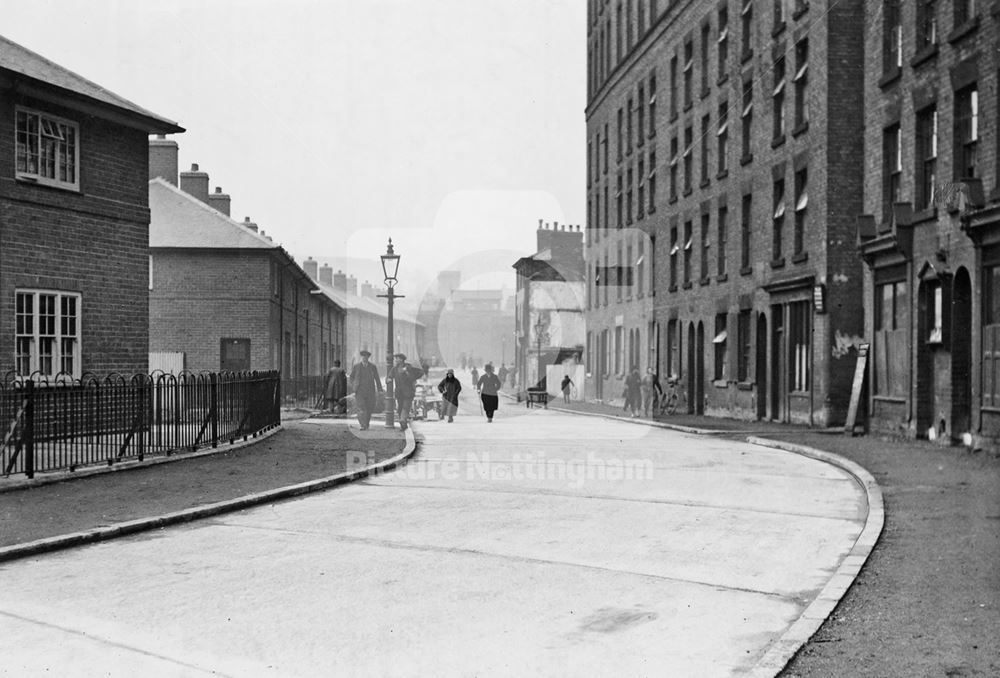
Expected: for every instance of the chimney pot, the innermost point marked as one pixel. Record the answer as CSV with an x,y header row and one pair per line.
x,y
195,183
310,267
163,159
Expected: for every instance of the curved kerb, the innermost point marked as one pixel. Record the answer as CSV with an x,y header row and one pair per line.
x,y
142,524
808,623
781,652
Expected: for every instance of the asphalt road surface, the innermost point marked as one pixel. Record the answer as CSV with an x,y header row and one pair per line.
x,y
541,544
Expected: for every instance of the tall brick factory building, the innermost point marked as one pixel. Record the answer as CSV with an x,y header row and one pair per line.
x,y
222,294
724,181
930,232
74,221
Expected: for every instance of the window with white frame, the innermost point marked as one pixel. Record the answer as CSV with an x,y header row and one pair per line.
x,y
719,341
778,98
892,36
801,80
47,333
966,133
48,149
926,169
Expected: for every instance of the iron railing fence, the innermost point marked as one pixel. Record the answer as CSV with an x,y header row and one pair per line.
x,y
67,423
305,391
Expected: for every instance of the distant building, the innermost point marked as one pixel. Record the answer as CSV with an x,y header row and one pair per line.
x,y
930,235
549,305
474,325
223,295
366,319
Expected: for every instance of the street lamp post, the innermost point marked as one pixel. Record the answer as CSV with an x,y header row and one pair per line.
x,y
390,267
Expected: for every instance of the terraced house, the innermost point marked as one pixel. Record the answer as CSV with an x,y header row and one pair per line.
x,y
74,221
930,232
724,179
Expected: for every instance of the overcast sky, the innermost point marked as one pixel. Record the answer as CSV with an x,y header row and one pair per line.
x,y
453,125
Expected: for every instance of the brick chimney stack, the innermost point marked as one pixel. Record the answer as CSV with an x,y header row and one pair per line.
x,y
340,281
564,243
219,200
352,285
249,224
326,275
310,267
195,183
163,159
367,290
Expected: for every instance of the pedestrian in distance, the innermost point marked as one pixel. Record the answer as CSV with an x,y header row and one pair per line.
x,y
488,387
652,392
336,388
475,375
449,388
404,382
367,387
633,392
426,367
502,374
565,386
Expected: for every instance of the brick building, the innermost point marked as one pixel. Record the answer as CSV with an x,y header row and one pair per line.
x,y
930,233
723,181
74,221
222,294
366,317
549,320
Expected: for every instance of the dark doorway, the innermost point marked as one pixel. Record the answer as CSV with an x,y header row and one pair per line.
x,y
961,354
234,355
691,394
925,358
699,359
779,359
760,365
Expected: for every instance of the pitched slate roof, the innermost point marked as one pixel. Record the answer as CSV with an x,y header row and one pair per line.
x,y
356,302
21,60
177,219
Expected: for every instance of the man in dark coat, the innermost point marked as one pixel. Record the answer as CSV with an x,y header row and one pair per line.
x,y
404,383
450,387
336,388
367,388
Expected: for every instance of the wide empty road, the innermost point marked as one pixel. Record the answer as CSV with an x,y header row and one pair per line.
x,y
540,544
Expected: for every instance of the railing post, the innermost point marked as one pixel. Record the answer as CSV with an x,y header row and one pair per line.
x,y
29,429
214,411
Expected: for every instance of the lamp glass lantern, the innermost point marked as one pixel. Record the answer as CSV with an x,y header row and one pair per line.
x,y
390,265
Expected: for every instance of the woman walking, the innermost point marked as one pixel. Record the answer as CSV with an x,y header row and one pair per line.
x,y
450,387
488,387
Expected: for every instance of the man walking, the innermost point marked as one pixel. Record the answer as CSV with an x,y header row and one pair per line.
x,y
367,388
336,388
565,387
404,383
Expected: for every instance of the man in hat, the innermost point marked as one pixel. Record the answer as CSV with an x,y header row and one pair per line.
x,y
367,388
404,382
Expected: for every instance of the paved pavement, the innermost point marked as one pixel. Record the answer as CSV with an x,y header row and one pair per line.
x,y
541,544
